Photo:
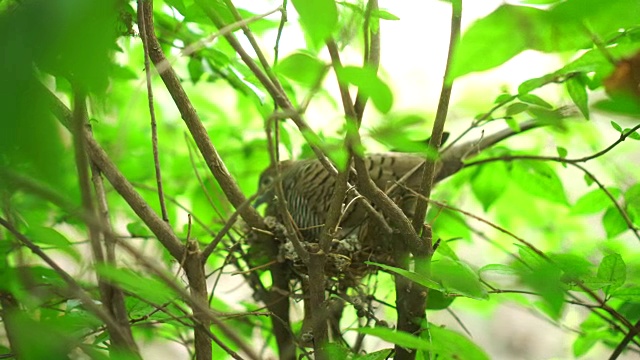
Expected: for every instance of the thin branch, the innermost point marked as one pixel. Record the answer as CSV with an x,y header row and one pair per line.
x,y
152,113
429,171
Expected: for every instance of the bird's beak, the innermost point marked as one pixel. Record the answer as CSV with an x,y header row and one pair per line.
x,y
260,200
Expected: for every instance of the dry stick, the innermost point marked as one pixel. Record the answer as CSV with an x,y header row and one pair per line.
x,y
152,114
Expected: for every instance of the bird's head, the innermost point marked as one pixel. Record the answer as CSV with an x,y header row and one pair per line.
x,y
267,181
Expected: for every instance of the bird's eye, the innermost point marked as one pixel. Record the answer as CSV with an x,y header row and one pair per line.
x,y
265,181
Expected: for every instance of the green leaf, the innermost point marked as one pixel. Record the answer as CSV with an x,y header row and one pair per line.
x,y
301,67
613,222
578,92
498,268
437,300
545,280
535,100
584,343
453,345
516,108
632,202
195,69
538,178
444,343
612,269
490,181
147,287
385,15
367,81
616,126
458,277
415,277
631,293
403,339
574,267
50,236
562,152
318,19
593,202
634,135
448,224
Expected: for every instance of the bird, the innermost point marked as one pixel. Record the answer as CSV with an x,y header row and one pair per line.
x,y
308,186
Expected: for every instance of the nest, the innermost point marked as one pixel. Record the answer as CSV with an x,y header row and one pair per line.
x,y
345,263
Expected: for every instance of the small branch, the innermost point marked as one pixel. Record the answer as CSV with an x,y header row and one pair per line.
x,y
625,341
152,113
429,171
283,20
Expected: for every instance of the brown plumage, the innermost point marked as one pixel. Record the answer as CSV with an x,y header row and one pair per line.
x,y
308,187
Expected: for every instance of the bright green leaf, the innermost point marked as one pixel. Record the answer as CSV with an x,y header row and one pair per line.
x,y
385,15
613,222
631,293
301,67
415,277
367,81
562,152
612,269
593,202
489,181
616,126
453,345
578,92
535,100
632,202
516,108
146,286
538,178
318,19
458,277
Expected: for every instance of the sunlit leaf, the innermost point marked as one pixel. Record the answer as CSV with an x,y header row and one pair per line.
x,y
632,201
613,222
301,67
535,100
538,178
489,182
458,277
147,286
612,269
578,92
318,18
415,277
594,201
367,81
631,293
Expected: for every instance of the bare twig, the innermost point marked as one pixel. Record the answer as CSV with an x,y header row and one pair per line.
x,y
152,113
